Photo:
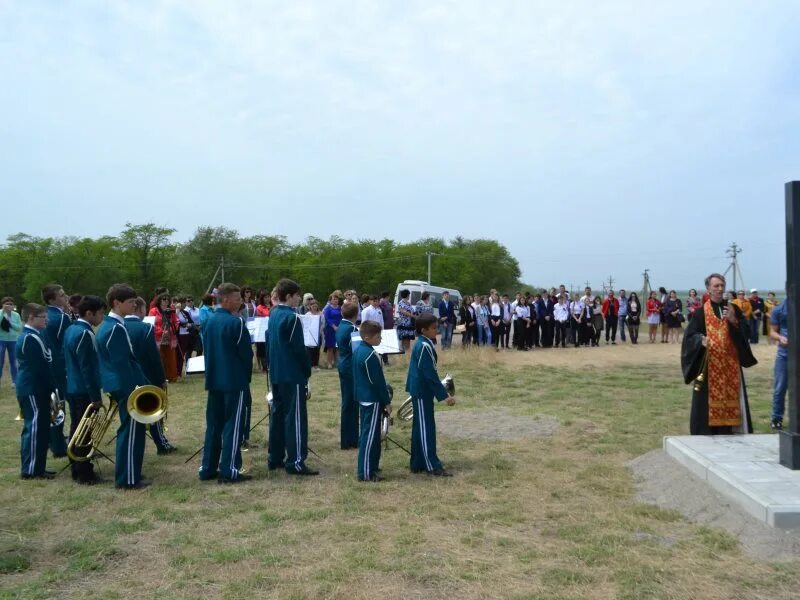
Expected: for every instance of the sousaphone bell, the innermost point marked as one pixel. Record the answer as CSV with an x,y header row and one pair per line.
x,y
406,410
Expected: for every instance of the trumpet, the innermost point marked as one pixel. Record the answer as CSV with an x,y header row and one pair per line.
x,y
56,409
88,436
406,410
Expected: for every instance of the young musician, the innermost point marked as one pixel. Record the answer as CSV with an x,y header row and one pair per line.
x,y
120,373
146,351
35,383
83,374
57,323
229,366
373,398
289,370
348,430
423,384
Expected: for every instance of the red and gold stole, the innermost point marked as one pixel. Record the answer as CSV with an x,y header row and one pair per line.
x,y
724,375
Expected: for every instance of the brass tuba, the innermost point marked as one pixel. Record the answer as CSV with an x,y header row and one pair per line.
x,y
406,410
88,436
56,409
147,404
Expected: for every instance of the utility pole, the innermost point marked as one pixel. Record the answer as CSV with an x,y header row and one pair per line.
x,y
733,252
646,289
222,266
610,282
429,254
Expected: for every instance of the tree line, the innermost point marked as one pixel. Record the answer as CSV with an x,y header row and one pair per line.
x,y
146,257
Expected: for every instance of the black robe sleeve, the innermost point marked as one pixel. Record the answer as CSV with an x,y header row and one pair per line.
x,y
692,350
740,341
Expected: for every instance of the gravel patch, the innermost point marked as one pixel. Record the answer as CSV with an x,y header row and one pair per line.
x,y
665,483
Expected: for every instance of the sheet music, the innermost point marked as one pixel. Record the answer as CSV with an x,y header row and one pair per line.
x,y
150,320
196,364
311,335
390,343
257,327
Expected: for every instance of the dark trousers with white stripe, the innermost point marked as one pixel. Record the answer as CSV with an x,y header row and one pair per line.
x,y
288,427
35,433
348,428
248,413
130,444
83,470
423,437
222,455
159,435
369,442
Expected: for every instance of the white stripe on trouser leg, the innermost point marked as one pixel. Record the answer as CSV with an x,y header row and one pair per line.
x,y
424,436
297,428
34,435
370,440
131,437
236,441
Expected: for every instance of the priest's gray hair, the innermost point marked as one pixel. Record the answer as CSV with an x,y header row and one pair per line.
x,y
714,276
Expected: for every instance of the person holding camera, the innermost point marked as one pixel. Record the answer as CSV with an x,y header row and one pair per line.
x,y
10,328
166,326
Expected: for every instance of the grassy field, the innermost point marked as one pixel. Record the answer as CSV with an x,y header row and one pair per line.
x,y
550,517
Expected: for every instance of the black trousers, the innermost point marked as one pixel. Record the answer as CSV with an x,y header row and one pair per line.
x,y
633,330
534,334
548,329
520,334
81,471
495,325
561,333
506,334
611,327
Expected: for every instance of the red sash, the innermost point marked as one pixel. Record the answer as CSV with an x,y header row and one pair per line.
x,y
724,374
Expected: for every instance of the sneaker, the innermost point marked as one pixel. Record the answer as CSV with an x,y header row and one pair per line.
x,y
777,425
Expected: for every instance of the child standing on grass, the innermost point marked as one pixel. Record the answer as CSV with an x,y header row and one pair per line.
x,y
424,385
348,429
373,398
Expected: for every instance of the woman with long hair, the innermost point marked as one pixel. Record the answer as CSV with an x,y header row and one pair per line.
x,y
332,315
482,321
166,330
467,315
663,296
249,306
634,316
495,319
674,312
262,310
653,316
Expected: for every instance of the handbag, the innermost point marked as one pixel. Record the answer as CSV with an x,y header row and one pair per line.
x,y
460,329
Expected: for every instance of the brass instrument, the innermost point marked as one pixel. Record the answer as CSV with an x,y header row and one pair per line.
x,y
700,380
56,409
90,431
406,410
387,421
147,404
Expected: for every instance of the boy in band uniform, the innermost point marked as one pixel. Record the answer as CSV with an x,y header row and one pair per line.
x,y
349,421
35,383
289,370
120,373
229,366
373,399
145,349
83,374
423,384
58,321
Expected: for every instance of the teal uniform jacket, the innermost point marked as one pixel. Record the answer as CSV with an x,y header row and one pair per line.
x,y
143,340
120,372
57,325
423,380
83,367
288,358
227,343
35,376
343,342
370,383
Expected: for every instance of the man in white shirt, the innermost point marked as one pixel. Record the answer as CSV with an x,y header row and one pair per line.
x,y
561,317
372,311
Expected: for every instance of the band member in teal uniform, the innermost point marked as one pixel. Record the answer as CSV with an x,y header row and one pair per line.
x,y
120,373
83,374
424,385
289,370
373,399
229,366
56,300
145,349
348,428
35,383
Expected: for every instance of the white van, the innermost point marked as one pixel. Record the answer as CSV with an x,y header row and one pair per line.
x,y
417,287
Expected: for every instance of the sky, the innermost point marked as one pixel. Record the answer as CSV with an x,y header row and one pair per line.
x,y
592,139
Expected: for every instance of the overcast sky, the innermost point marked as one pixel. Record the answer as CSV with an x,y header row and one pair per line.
x,y
590,140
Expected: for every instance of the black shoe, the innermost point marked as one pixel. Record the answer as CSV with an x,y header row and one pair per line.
x,y
303,471
45,475
418,471
777,425
59,455
49,472
166,450
90,481
440,473
373,479
278,466
144,483
613,343
239,479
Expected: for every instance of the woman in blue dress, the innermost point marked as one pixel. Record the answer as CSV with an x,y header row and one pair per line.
x,y
332,316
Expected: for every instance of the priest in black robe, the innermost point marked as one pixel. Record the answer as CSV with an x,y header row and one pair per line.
x,y
715,349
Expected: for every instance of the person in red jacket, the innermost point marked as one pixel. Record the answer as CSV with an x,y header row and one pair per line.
x,y
166,327
653,316
611,314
